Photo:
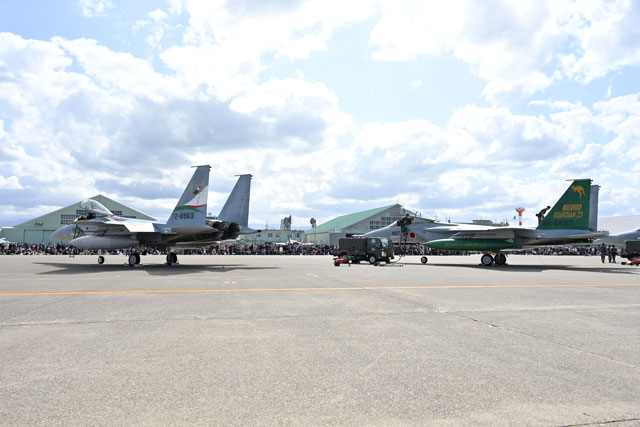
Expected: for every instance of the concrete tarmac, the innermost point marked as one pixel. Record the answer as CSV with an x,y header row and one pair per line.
x,y
293,340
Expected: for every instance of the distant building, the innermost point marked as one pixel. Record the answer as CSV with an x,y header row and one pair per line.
x,y
356,223
38,230
271,236
618,224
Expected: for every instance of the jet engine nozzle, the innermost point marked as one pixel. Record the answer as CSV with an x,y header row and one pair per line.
x,y
232,231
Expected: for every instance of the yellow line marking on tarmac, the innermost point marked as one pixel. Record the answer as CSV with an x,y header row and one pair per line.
x,y
354,288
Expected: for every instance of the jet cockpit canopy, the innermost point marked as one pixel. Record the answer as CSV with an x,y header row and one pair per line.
x,y
95,207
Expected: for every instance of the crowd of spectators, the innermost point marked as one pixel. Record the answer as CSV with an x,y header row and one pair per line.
x,y
272,249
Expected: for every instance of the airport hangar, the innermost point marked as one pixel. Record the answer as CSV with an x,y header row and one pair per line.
x,y
356,223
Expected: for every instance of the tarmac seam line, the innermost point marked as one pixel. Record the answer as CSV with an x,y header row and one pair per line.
x,y
627,420
515,331
318,289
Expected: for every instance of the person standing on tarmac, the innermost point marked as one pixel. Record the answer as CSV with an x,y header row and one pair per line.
x,y
612,254
603,252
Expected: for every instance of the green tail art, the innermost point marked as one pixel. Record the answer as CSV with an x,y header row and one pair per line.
x,y
571,212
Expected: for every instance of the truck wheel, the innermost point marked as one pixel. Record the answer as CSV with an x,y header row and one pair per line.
x,y
372,259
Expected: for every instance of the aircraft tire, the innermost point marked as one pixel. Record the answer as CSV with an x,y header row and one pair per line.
x,y
424,260
100,259
373,259
486,260
169,258
137,258
174,258
500,259
133,260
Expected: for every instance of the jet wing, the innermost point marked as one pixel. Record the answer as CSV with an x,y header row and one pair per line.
x,y
492,233
526,235
116,224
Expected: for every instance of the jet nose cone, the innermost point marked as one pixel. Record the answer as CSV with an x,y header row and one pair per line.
x,y
63,234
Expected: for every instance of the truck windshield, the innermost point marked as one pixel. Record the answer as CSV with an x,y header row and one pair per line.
x,y
386,243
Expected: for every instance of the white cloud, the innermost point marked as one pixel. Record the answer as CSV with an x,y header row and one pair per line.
x,y
18,211
519,48
10,183
621,117
93,8
590,160
608,35
415,84
506,43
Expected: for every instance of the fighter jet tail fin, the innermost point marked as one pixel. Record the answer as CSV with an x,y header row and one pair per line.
x,y
593,213
236,208
572,211
191,209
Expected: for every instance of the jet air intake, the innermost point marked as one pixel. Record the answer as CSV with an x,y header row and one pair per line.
x,y
98,242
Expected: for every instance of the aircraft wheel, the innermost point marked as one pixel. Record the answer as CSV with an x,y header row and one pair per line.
x,y
137,258
172,258
372,259
486,259
500,259
423,260
100,259
134,259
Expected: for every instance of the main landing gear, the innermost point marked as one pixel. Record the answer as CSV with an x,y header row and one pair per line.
x,y
100,260
134,259
498,259
172,258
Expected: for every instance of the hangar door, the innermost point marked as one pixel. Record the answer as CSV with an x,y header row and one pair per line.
x,y
33,236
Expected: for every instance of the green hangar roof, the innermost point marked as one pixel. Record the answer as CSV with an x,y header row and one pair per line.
x,y
345,221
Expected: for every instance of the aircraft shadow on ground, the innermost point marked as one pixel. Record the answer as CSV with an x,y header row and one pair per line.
x,y
509,268
152,269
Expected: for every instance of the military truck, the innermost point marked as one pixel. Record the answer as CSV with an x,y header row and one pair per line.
x,y
631,251
372,249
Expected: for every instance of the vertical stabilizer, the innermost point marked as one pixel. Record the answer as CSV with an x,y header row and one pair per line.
x,y
593,214
236,208
571,212
191,210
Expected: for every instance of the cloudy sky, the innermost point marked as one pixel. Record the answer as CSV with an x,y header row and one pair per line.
x,y
457,109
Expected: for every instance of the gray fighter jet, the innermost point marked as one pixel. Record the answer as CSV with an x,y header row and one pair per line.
x,y
619,239
186,228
